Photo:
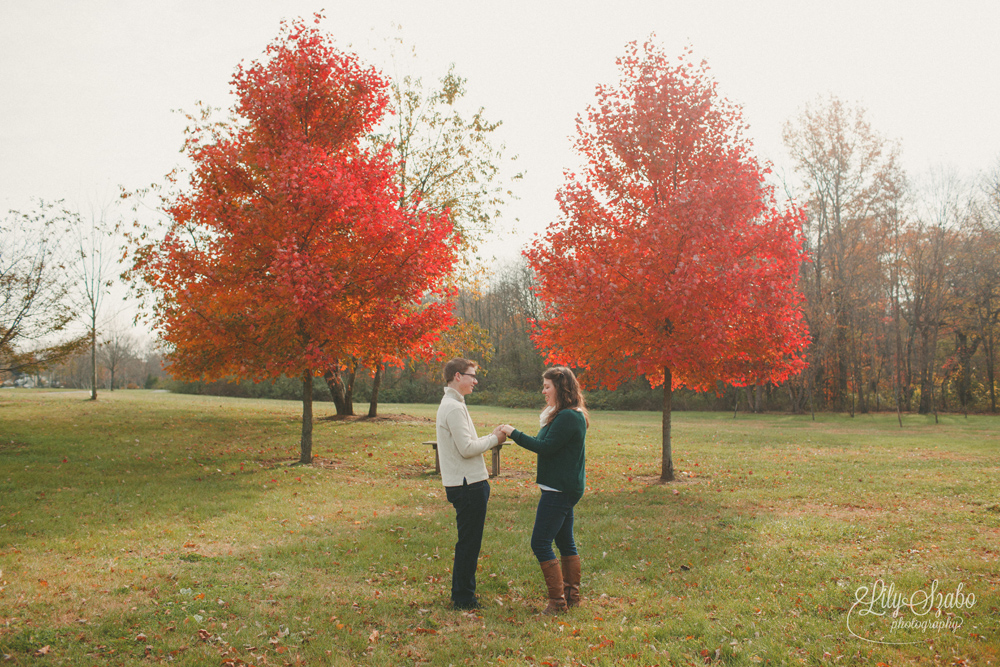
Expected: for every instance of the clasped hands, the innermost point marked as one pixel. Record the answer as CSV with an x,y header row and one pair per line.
x,y
501,432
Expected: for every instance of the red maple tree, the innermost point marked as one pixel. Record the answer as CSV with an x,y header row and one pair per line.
x,y
671,258
288,250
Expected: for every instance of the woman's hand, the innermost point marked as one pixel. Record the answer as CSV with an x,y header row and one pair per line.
x,y
507,428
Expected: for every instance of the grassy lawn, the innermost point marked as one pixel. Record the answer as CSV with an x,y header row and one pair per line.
x,y
155,528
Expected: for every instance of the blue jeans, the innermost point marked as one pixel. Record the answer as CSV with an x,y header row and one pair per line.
x,y
470,502
553,521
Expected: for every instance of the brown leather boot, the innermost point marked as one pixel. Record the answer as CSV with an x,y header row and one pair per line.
x,y
554,582
571,580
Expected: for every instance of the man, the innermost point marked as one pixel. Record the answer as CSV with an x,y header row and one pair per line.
x,y
463,473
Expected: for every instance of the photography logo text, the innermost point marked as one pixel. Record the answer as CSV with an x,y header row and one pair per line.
x,y
883,614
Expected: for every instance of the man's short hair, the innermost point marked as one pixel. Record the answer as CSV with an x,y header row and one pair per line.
x,y
457,366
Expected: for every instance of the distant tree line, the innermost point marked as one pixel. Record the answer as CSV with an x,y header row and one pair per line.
x,y
902,292
903,284
123,361
902,299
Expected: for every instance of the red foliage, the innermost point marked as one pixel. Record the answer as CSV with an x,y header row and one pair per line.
x,y
288,249
671,252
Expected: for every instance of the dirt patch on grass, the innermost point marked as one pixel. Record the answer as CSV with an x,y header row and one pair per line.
x,y
408,471
331,464
801,453
843,512
937,455
681,478
512,473
318,462
12,446
381,419
413,470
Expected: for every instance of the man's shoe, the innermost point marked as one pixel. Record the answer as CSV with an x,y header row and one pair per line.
x,y
466,606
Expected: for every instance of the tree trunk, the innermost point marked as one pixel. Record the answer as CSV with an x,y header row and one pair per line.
x,y
349,387
925,378
908,371
667,474
862,387
93,363
307,418
934,402
989,348
812,398
964,382
899,371
336,389
842,368
928,370
376,383
341,400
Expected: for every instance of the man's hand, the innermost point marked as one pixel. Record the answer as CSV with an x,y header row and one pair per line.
x,y
501,436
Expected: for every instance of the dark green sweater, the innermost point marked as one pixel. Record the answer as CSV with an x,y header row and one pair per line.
x,y
562,452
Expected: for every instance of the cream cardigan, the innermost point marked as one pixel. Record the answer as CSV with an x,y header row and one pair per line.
x,y
459,449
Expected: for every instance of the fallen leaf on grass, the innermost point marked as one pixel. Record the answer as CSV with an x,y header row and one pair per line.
x,y
426,631
373,637
605,643
45,650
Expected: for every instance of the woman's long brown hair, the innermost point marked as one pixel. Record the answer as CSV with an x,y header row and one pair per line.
x,y
568,394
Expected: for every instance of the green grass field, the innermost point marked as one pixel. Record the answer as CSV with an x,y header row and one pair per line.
x,y
156,528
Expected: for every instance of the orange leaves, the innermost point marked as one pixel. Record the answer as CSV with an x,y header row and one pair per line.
x,y
671,250
604,643
288,248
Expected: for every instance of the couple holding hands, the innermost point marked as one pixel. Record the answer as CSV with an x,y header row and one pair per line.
x,y
561,449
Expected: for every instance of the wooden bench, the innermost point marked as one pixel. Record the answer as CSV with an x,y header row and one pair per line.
x,y
437,460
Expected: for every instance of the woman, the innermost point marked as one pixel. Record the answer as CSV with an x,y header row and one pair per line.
x,y
561,449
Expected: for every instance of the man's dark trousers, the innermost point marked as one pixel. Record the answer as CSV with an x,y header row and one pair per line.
x,y
470,502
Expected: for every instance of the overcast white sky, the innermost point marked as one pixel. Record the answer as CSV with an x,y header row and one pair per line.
x,y
87,87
